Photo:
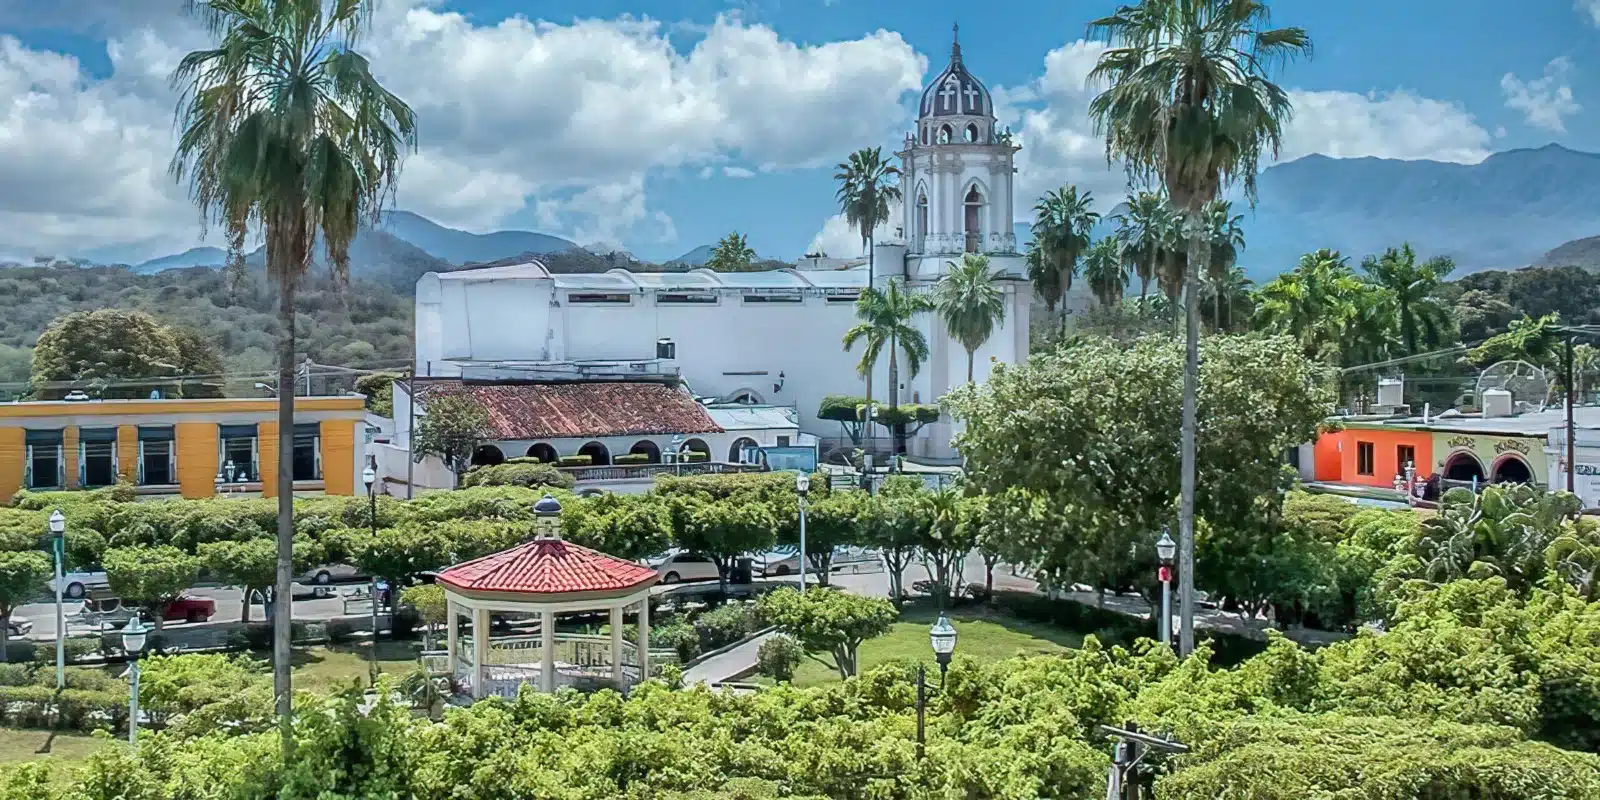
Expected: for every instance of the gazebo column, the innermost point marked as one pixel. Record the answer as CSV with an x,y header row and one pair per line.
x,y
452,636
480,651
547,649
644,638
616,647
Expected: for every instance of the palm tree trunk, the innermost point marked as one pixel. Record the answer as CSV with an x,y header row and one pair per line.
x,y
1191,385
282,610
970,354
1216,307
866,413
871,261
897,431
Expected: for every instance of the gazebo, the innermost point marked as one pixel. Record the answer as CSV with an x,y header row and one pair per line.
x,y
543,578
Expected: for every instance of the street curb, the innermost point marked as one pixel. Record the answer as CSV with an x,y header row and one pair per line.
x,y
706,656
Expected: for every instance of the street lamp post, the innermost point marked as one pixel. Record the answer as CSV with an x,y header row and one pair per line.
x,y
133,636
802,486
369,476
943,638
58,545
677,453
1166,550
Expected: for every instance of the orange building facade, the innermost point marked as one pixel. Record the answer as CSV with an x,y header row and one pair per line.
x,y
1371,456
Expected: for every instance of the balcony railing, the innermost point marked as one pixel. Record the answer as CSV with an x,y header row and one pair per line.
x,y
581,660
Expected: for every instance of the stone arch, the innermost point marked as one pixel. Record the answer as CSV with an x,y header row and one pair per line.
x,y
946,135
598,454
647,447
736,450
544,452
925,134
974,207
487,455
1463,466
972,132
1511,468
746,397
698,446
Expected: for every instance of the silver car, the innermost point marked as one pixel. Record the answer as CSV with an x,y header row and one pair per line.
x,y
18,627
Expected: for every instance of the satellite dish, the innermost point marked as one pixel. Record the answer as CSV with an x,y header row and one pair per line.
x,y
1528,384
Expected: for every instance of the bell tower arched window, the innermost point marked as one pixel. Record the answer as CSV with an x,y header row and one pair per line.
x,y
972,132
944,134
973,220
921,232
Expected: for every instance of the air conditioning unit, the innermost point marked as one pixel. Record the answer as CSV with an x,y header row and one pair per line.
x,y
1497,403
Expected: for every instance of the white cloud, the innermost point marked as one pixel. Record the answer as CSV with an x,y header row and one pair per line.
x,y
1591,8
839,239
738,172
567,121
1545,102
1395,124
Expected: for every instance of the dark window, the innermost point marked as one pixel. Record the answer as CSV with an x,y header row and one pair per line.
x,y
616,298
1404,454
783,441
44,459
1365,459
236,455
773,298
97,457
307,452
842,298
157,457
685,298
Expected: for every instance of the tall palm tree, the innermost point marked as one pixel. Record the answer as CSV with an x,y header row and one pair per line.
x,y
1226,240
1423,318
1062,221
1315,303
1104,269
970,303
1044,276
1188,103
867,185
886,319
285,129
1231,296
1143,228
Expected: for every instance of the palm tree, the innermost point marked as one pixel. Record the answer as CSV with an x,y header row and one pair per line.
x,y
885,318
1061,227
1105,271
970,303
1143,229
1044,276
1188,103
866,187
1231,294
1226,240
1424,319
1316,303
284,129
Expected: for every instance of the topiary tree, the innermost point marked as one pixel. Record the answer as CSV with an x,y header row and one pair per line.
x,y
519,472
252,565
828,621
778,657
150,577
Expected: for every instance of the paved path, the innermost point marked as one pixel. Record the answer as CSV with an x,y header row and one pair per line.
x,y
726,666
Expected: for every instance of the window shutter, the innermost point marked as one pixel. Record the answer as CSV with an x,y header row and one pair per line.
x,y
255,459
316,449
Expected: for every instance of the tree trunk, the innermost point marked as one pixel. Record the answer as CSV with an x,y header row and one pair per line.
x,y
866,413
244,607
1191,383
5,636
1216,308
895,431
970,355
871,261
159,618
282,592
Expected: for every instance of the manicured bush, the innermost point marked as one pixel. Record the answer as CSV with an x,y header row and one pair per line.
x,y
841,408
693,456
907,414
677,635
16,674
575,461
778,657
726,624
22,650
631,458
78,648
528,473
828,621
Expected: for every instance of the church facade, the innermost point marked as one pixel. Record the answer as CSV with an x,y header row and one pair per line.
x,y
764,338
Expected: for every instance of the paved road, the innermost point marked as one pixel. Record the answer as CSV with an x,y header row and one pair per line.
x,y
228,599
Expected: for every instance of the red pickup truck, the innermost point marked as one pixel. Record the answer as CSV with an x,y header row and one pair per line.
x,y
191,609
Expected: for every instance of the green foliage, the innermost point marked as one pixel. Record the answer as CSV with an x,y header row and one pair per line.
x,y
207,691
96,348
778,657
827,621
732,254
22,572
518,472
428,600
631,458
150,577
970,303
379,390
575,461
907,414
726,624
452,426
841,408
626,526
679,636
1526,339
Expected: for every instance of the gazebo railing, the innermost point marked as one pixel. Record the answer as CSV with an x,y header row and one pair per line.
x,y
572,650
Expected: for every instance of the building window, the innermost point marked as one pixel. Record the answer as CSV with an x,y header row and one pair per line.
x,y
97,457
842,298
308,452
600,298
685,299
1364,459
1404,454
45,465
783,441
236,449
157,456
773,298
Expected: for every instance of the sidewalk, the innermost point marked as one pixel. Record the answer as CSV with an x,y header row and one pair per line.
x,y
726,666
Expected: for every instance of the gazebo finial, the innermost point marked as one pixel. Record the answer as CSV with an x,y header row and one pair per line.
x,y
547,518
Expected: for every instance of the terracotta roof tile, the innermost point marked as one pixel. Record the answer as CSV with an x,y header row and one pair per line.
x,y
548,566
582,410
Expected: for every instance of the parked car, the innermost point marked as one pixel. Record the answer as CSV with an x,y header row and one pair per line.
x,y
111,611
682,565
19,626
786,561
329,574
191,609
78,585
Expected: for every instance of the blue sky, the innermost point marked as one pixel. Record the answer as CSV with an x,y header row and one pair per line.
x,y
659,126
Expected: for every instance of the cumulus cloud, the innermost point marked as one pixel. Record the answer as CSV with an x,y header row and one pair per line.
x,y
1545,102
1397,124
839,239
567,121
1591,9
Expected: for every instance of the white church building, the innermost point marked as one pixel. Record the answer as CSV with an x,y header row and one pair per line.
x,y
762,338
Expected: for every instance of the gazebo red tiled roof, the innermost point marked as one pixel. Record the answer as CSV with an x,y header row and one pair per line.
x,y
547,566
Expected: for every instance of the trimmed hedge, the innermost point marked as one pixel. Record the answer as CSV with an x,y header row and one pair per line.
x,y
575,461
529,473
632,458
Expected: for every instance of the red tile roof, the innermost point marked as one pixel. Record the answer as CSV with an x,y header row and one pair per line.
x,y
548,566
581,410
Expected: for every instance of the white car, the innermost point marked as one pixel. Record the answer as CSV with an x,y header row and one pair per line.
x,y
786,561
18,627
676,566
78,585
327,574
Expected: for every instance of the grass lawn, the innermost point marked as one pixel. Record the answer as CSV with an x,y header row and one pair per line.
x,y
986,635
323,668
66,752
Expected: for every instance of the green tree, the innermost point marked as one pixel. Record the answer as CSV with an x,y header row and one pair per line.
x,y
1423,318
724,529
1143,229
22,573
833,520
732,254
197,355
894,521
1189,104
398,554
451,426
944,543
1322,304
150,577
285,130
379,390
828,621
252,565
866,188
104,352
1225,240
429,602
1044,276
887,319
1531,340
970,303
1232,300
623,525
1105,270
1061,225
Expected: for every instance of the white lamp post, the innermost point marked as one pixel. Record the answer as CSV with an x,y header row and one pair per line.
x,y
943,638
133,636
369,476
1166,550
802,486
58,545
677,453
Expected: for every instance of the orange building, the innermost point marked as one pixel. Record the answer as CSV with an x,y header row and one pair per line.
x,y
1372,454
187,447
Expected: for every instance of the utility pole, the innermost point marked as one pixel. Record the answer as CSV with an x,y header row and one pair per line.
x,y
411,431
1572,444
